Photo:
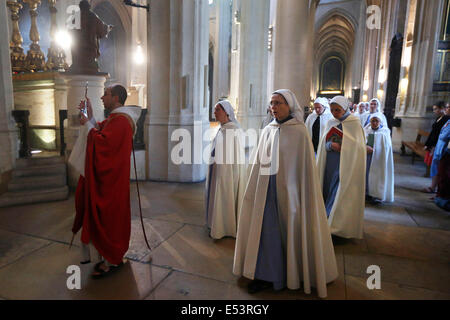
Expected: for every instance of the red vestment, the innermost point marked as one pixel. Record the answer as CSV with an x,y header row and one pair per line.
x,y
102,198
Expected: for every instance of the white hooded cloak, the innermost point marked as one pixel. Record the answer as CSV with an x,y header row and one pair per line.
x,y
302,218
368,114
225,186
347,214
381,172
324,117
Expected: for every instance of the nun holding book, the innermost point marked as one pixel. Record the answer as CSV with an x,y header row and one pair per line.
x,y
341,163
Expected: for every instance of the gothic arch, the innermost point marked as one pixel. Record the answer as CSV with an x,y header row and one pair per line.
x,y
334,36
337,11
115,58
122,11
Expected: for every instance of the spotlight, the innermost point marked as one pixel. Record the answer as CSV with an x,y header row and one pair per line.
x,y
63,39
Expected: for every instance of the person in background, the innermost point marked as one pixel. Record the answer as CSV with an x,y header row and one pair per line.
x,y
317,120
439,171
375,106
362,112
380,162
430,144
225,181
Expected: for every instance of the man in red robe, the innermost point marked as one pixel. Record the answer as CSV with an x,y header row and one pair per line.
x,y
102,197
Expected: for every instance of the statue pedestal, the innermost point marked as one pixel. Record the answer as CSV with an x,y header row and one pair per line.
x,y
76,84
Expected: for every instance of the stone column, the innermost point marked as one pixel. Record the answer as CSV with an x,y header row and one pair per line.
x,y
416,95
221,82
371,55
292,45
8,131
75,93
177,80
249,66
388,8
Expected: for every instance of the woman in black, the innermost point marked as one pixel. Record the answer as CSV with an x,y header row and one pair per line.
x,y
439,110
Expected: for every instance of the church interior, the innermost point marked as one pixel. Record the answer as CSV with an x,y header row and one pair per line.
x,y
176,59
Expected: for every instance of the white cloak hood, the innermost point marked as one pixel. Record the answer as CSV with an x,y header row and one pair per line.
x,y
347,214
381,172
305,233
324,117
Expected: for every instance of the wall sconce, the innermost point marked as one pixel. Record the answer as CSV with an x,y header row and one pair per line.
x,y
237,17
380,94
404,85
406,61
365,98
138,55
270,38
381,75
366,84
63,39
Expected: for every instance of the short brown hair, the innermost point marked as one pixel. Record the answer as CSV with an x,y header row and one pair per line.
x,y
120,92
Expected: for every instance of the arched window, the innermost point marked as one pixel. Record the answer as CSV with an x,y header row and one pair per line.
x,y
332,75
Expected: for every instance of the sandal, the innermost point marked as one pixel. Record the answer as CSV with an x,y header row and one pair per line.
x,y
427,190
102,273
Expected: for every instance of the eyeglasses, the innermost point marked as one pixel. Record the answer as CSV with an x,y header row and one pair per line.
x,y
275,103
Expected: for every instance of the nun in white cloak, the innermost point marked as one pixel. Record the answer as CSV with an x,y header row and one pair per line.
x,y
283,237
362,112
342,172
380,161
317,120
225,181
374,107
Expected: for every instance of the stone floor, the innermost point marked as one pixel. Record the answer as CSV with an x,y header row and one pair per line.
x,y
409,240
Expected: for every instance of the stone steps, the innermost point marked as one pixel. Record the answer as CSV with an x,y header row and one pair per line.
x,y
29,162
33,196
40,170
37,180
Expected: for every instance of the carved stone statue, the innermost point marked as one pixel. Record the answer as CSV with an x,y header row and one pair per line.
x,y
85,48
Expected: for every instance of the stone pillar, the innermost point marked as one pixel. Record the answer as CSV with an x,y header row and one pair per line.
x,y
138,71
357,54
292,44
416,96
388,8
249,62
177,79
75,93
8,131
371,56
310,56
221,82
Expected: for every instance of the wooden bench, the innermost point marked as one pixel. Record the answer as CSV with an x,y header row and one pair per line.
x,y
417,147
